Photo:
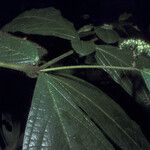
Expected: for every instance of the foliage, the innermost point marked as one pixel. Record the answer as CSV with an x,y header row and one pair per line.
x,y
66,111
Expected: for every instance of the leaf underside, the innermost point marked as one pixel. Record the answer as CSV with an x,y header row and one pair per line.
x,y
62,114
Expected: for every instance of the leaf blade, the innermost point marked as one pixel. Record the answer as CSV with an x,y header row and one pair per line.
x,y
83,47
17,51
113,56
107,35
102,106
47,21
64,122
70,91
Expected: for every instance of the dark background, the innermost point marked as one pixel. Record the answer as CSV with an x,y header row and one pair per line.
x,y
100,11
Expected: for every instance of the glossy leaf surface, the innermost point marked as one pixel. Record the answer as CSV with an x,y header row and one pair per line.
x,y
62,114
47,21
56,122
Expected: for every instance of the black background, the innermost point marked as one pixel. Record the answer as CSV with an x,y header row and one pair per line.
x,y
100,10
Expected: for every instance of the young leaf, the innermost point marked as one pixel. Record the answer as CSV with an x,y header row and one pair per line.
x,y
83,47
56,122
107,35
62,114
47,21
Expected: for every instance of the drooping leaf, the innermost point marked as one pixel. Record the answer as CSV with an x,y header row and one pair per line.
x,y
114,57
83,47
62,114
146,75
56,122
47,21
107,35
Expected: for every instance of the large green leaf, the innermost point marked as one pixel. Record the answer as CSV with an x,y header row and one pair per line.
x,y
114,57
64,112
47,21
56,122
83,47
107,35
16,50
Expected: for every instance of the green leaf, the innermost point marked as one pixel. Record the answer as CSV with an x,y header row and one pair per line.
x,y
107,35
62,114
47,21
146,76
112,56
56,122
17,51
83,47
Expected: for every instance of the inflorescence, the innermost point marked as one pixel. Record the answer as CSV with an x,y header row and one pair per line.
x,y
139,46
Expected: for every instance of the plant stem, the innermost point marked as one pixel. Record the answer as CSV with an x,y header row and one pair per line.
x,y
55,60
88,67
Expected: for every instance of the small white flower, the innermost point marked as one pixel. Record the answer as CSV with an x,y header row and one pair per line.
x,y
138,45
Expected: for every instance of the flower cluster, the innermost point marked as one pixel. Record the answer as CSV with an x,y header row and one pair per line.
x,y
138,45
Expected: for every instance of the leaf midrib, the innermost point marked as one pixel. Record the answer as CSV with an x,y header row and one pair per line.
x,y
59,115
100,109
115,71
75,109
